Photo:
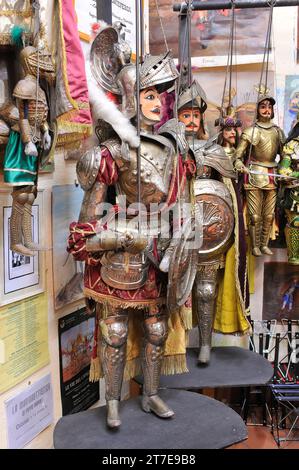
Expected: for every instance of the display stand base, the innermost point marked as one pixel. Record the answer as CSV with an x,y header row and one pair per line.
x,y
200,422
230,366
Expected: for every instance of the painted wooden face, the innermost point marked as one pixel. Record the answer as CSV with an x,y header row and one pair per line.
x,y
229,135
191,117
265,109
150,104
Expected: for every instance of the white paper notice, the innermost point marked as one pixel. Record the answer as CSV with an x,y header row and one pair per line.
x,y
124,11
29,413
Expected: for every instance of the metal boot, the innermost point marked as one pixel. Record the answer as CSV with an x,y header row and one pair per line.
x,y
206,293
113,354
27,229
255,234
16,222
267,225
155,328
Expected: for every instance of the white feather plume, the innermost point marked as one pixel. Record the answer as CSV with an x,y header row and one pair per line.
x,y
103,108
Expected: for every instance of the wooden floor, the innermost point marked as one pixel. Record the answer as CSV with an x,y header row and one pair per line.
x,y
260,437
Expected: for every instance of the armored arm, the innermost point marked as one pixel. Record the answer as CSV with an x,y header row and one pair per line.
x,y
94,177
239,155
24,125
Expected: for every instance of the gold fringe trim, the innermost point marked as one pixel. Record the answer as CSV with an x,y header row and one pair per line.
x,y
64,60
186,317
170,365
95,370
23,13
5,39
174,364
122,303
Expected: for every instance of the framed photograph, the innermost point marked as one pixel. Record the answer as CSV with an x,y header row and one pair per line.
x,y
209,30
22,275
281,291
68,273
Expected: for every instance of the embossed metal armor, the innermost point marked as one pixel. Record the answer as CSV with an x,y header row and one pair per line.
x,y
259,146
126,270
212,194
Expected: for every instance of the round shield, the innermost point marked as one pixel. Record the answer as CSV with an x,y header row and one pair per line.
x,y
214,202
183,265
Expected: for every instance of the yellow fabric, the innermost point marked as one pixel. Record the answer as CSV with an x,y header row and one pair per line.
x,y
229,316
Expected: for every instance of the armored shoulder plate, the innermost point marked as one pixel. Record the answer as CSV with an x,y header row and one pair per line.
x,y
251,136
25,89
216,157
282,137
175,130
115,148
158,138
9,113
196,147
88,167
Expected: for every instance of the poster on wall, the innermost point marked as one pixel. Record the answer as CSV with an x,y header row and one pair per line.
x,y
124,11
281,291
291,102
67,273
22,275
29,412
86,11
209,33
76,333
23,340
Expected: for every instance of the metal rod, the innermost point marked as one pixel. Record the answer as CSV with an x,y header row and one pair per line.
x,y
137,4
141,13
227,5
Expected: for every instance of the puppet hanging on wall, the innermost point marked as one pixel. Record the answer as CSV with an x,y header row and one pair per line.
x,y
29,140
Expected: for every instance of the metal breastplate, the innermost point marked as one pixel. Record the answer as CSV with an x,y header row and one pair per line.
x,y
157,160
266,149
216,207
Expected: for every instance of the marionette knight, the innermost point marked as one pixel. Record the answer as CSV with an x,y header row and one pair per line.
x,y
29,137
256,158
122,276
219,298
289,169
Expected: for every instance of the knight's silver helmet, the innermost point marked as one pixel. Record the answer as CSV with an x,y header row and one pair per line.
x,y
112,68
158,71
193,96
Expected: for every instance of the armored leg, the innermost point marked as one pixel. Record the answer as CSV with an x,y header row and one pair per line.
x,y
267,218
292,237
20,198
27,222
254,200
206,293
114,330
155,335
